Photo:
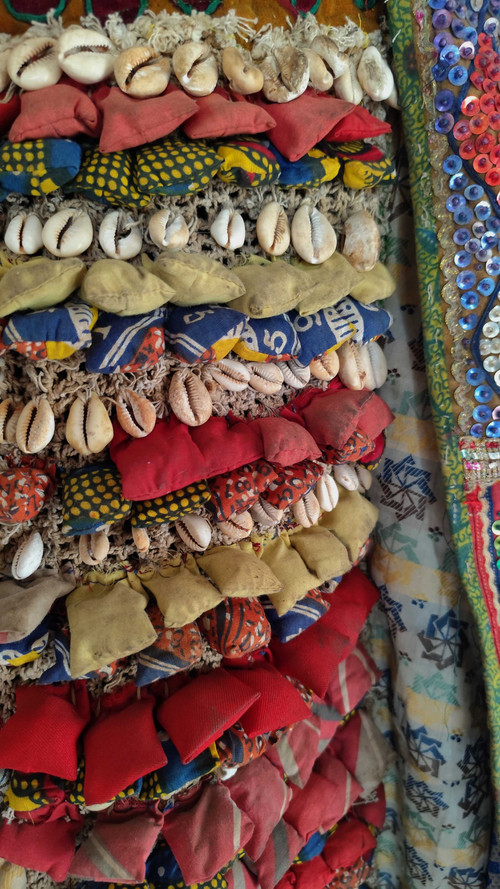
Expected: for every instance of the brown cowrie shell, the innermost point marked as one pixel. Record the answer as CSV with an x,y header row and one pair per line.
x,y
374,75
93,548
365,478
10,411
294,374
119,236
166,231
320,77
141,540
265,513
228,229
237,527
352,366
345,475
135,414
33,63
273,230
28,557
307,510
88,428
266,378
327,493
189,399
294,68
141,72
313,237
24,234
231,374
195,531
35,426
84,55
195,67
273,88
326,367
337,61
244,78
361,241
68,233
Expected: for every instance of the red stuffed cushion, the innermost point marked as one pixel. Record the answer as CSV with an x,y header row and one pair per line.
x,y
351,840
351,680
309,875
357,124
117,847
319,805
218,115
225,445
332,420
47,714
281,848
303,122
296,752
279,704
292,483
45,847
113,757
8,111
55,112
252,784
286,443
200,712
128,122
347,789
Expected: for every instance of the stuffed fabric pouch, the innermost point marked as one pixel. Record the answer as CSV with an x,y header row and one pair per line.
x,y
129,122
51,333
352,522
174,166
126,344
363,165
24,605
369,321
116,286
270,288
39,283
58,112
322,552
279,704
376,284
206,334
286,443
196,278
108,178
291,483
303,122
219,115
328,283
174,775
291,570
358,445
357,124
282,846
264,339
25,485
182,594
91,496
170,507
351,680
320,804
319,332
206,835
8,111
247,163
237,573
236,627
311,170
296,751
363,750
39,166
175,650
304,614
351,840
217,698
332,417
237,491
28,649
237,749
47,847
117,846
252,784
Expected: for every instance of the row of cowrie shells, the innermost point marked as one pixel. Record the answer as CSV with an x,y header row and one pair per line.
x,y
69,232
282,72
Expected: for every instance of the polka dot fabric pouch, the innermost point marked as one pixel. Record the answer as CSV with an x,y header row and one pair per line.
x,y
171,507
248,164
40,166
174,166
92,497
108,178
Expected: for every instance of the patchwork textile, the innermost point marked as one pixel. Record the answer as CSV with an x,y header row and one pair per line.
x,y
126,344
51,333
206,334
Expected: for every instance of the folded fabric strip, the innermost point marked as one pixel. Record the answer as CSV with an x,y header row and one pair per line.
x,y
351,680
320,332
107,178
322,802
52,334
358,124
126,344
364,751
162,782
369,321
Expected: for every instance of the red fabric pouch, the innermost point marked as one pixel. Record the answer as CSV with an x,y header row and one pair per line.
x,y
296,751
375,417
219,115
236,627
331,420
8,111
354,598
281,848
48,714
317,807
25,485
347,789
286,443
357,124
351,680
117,846
129,122
238,490
253,784
279,704
227,444
373,811
113,757
309,875
303,122
351,840
235,748
291,483
45,847
198,714
55,112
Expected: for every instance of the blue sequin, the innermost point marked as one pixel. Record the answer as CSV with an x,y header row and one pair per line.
x,y
444,100
474,192
493,429
469,300
486,286
454,202
462,259
453,163
437,4
475,375
450,54
457,75
493,265
458,181
444,123
482,210
476,430
469,322
483,393
441,20
472,245
461,236
466,280
440,71
483,254
489,240
482,413
467,50
463,215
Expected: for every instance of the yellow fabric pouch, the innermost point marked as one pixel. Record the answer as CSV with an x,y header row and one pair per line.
x,y
289,567
39,283
326,284
322,552
238,573
196,278
376,284
352,521
114,285
182,593
271,288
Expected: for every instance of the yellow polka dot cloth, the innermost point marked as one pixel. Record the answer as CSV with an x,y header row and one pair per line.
x,y
39,166
247,163
28,792
108,178
170,507
92,497
175,166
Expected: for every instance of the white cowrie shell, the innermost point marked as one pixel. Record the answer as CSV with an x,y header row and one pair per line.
x,y
10,411
347,87
135,414
24,234
294,68
320,77
374,75
4,74
353,367
141,72
337,61
265,377
273,88
265,513
345,476
68,233
88,427
228,229
313,237
307,511
393,99
189,399
294,374
28,557
85,55
93,548
195,68
378,363
365,478
35,426
231,374
243,77
167,232
327,493
326,367
195,531
119,236
273,230
362,241
33,64
236,527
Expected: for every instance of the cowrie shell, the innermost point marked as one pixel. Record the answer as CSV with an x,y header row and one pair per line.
x,y
295,374
231,374
365,478
10,411
244,78
88,427
353,366
24,234
141,539
265,513
228,229
266,378
345,475
327,493
337,61
273,87
293,67
307,510
273,230
195,531
141,72
320,77
28,557
167,232
374,75
35,426
326,367
68,233
85,55
362,241
374,359
237,527
135,414
313,237
347,87
119,236
195,68
189,399
33,63
93,548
